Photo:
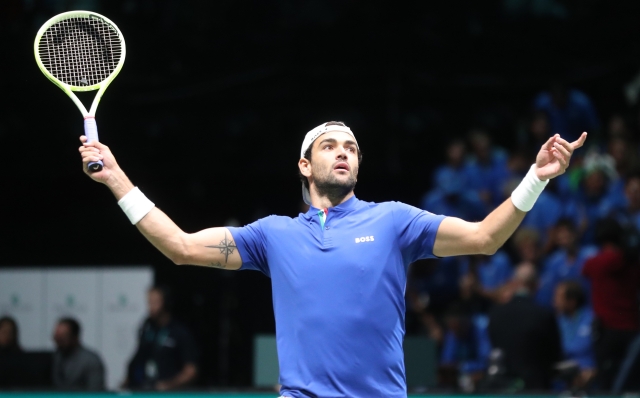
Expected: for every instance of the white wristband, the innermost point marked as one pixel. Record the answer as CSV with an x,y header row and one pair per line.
x,y
135,205
526,194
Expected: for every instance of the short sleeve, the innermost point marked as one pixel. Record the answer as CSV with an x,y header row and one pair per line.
x,y
251,243
416,229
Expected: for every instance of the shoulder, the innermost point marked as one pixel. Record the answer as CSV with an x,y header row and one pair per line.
x,y
397,208
579,97
589,251
274,221
90,356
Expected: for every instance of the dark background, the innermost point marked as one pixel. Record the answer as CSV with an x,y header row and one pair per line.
x,y
208,114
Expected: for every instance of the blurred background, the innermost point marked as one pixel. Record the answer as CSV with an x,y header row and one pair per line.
x,y
450,101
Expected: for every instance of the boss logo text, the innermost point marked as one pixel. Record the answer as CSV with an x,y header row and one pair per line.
x,y
365,239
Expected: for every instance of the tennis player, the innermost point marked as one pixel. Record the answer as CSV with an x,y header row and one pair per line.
x,y
339,270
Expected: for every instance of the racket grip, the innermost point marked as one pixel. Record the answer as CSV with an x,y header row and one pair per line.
x,y
91,132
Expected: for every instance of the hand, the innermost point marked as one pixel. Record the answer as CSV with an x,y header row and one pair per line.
x,y
554,156
94,151
162,386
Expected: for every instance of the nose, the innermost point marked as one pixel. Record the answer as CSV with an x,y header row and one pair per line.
x,y
342,153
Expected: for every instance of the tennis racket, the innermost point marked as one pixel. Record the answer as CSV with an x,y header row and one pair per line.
x,y
81,51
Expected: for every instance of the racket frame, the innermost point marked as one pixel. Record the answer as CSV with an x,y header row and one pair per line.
x,y
69,89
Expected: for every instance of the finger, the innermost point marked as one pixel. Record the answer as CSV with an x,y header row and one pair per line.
x,y
97,144
83,139
561,158
88,149
580,141
549,144
563,149
91,158
565,144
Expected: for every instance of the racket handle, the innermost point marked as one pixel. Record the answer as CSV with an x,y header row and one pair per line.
x,y
91,132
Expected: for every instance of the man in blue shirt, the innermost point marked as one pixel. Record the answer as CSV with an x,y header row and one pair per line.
x,y
338,271
574,320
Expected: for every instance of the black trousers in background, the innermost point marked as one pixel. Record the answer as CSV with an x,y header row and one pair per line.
x,y
611,349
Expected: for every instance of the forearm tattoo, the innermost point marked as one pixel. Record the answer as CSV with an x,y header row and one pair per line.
x,y
227,247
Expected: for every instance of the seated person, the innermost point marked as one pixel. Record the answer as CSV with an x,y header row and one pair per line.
x,y
74,366
526,333
575,319
564,263
490,273
466,346
9,343
166,355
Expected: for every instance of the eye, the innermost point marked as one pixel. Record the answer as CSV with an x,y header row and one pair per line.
x,y
351,149
327,147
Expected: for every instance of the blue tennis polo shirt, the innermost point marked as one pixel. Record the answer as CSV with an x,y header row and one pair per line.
x,y
338,293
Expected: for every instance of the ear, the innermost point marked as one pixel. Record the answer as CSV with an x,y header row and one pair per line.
x,y
305,167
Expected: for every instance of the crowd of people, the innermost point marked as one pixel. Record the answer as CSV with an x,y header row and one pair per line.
x,y
166,357
557,307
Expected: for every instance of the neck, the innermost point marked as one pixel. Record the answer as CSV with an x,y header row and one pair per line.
x,y
326,201
163,319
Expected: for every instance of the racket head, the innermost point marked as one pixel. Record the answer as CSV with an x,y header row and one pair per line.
x,y
80,50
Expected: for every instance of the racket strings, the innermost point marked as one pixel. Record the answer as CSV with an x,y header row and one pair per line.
x,y
80,51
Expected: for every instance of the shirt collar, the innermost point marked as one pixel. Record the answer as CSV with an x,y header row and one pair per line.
x,y
344,207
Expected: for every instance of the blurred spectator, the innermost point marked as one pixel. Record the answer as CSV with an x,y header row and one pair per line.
x,y
594,199
9,342
575,320
624,156
526,245
617,127
491,273
486,168
526,333
565,263
628,215
465,349
166,356
546,212
74,366
570,111
435,281
538,133
450,194
615,279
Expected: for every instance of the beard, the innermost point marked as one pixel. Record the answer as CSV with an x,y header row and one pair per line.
x,y
333,188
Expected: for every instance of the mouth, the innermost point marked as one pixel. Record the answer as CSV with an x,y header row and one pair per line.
x,y
342,166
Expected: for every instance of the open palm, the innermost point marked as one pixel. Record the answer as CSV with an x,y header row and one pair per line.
x,y
554,156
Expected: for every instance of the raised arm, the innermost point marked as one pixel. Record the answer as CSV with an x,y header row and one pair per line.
x,y
213,247
457,237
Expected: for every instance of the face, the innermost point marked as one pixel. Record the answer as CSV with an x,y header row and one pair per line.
x,y
155,302
540,127
565,238
7,334
595,183
528,250
455,152
334,164
632,191
63,338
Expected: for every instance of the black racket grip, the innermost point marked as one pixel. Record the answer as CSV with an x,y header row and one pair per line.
x,y
95,167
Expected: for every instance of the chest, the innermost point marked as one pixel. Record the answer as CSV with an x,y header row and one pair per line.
x,y
342,248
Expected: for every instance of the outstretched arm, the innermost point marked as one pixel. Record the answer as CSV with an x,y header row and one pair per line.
x,y
213,247
457,237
